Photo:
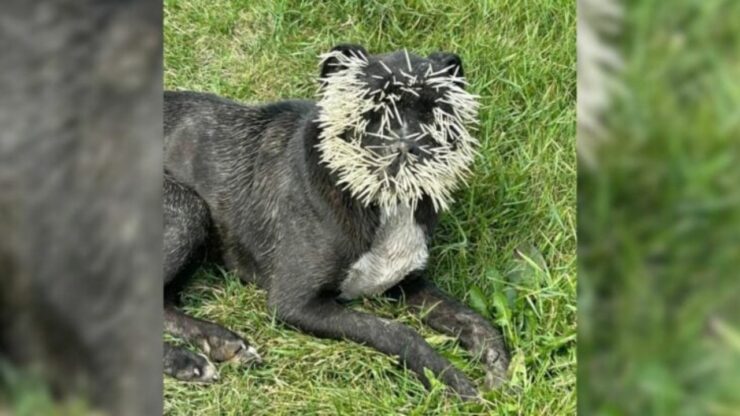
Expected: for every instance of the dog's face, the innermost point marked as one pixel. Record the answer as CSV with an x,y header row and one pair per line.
x,y
395,127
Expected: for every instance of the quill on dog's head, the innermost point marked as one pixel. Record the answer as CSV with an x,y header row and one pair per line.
x,y
396,127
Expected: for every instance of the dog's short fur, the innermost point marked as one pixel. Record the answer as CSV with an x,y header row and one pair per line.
x,y
323,201
80,195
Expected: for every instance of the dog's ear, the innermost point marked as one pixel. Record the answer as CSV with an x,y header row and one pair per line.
x,y
332,64
452,62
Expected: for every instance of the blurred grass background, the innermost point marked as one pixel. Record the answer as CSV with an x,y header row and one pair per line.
x,y
659,220
507,247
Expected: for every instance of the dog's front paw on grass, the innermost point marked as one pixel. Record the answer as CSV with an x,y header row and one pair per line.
x,y
226,346
458,384
247,356
204,371
186,365
496,365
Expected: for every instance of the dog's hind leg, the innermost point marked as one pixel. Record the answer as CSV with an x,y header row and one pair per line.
x,y
187,223
186,226
449,316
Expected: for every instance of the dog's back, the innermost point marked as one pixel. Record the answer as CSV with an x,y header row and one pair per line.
x,y
237,158
210,141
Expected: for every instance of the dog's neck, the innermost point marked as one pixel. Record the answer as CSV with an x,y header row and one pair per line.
x,y
352,214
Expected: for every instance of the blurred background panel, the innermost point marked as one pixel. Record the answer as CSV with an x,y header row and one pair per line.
x,y
80,206
659,207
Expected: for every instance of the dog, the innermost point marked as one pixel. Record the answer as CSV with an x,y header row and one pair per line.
x,y
324,201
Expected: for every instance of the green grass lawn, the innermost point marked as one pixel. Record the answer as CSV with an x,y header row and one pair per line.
x,y
507,247
659,221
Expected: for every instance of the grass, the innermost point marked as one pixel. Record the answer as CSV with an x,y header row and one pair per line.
x,y
659,220
507,247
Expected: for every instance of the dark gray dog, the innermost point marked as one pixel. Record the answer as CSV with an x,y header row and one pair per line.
x,y
323,201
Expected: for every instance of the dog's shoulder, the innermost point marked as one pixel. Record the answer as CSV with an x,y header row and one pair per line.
x,y
288,106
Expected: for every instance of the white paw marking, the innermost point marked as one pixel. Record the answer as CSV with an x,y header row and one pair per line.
x,y
210,372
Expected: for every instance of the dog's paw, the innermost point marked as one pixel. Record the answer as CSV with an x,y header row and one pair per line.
x,y
186,365
247,355
460,385
497,365
204,371
229,347
467,392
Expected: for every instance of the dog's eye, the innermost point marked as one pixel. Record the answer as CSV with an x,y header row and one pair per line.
x,y
426,115
426,105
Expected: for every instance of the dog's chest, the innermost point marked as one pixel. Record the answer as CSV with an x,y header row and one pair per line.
x,y
399,248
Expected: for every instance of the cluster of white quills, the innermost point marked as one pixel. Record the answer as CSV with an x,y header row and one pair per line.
x,y
345,97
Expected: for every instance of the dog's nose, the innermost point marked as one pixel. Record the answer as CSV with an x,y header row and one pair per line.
x,y
409,146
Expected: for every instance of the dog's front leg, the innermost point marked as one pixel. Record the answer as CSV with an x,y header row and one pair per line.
x,y
326,318
449,316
